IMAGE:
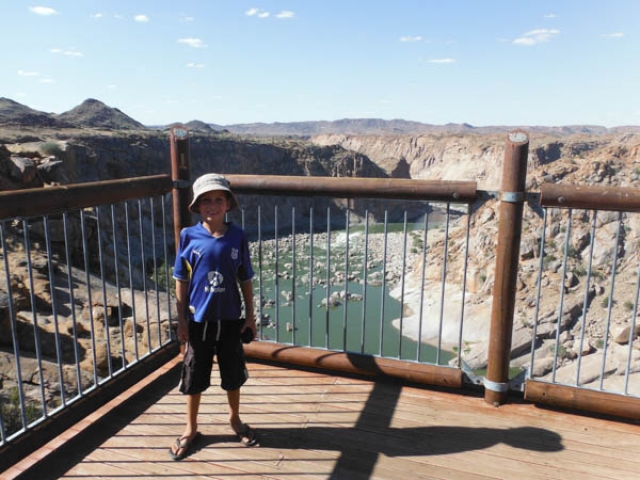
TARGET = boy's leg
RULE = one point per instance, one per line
(247, 435)
(193, 405)
(233, 397)
(191, 427)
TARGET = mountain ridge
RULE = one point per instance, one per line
(93, 113)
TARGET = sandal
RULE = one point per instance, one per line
(247, 435)
(184, 444)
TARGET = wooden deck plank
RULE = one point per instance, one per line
(318, 426)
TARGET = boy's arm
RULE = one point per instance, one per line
(182, 305)
(246, 288)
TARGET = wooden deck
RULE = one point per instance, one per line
(318, 426)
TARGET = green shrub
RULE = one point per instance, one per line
(52, 148)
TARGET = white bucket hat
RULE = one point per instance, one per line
(208, 183)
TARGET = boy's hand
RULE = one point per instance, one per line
(250, 324)
(183, 332)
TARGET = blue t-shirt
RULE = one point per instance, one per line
(213, 266)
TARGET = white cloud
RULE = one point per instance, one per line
(24, 73)
(186, 18)
(534, 37)
(286, 14)
(141, 18)
(112, 87)
(45, 11)
(613, 35)
(550, 15)
(416, 38)
(47, 80)
(193, 42)
(97, 15)
(67, 53)
(195, 65)
(252, 12)
(442, 61)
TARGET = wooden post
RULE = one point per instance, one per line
(512, 196)
(181, 176)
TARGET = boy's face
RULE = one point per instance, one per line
(213, 205)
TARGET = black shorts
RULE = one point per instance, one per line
(206, 339)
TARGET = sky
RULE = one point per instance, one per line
(481, 62)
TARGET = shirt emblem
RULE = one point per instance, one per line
(215, 281)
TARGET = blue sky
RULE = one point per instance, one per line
(483, 62)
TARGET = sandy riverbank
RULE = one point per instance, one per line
(438, 320)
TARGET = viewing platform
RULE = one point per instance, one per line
(316, 425)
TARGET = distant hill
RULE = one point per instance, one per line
(14, 113)
(359, 126)
(93, 113)
(377, 126)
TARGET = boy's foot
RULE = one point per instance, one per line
(181, 446)
(247, 435)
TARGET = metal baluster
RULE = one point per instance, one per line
(260, 282)
(277, 277)
(585, 305)
(166, 266)
(402, 283)
(155, 267)
(614, 269)
(131, 285)
(34, 315)
(72, 303)
(536, 314)
(311, 287)
(104, 292)
(328, 286)
(144, 276)
(445, 255)
(365, 287)
(85, 251)
(422, 281)
(54, 307)
(118, 294)
(293, 281)
(561, 300)
(346, 284)
(464, 288)
(14, 331)
(384, 281)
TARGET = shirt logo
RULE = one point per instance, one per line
(234, 253)
(215, 279)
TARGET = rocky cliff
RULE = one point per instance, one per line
(479, 157)
(37, 157)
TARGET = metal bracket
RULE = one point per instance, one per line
(495, 386)
(511, 197)
(181, 184)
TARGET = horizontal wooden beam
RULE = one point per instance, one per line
(349, 187)
(43, 201)
(582, 399)
(617, 199)
(355, 363)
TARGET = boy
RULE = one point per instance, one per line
(212, 260)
